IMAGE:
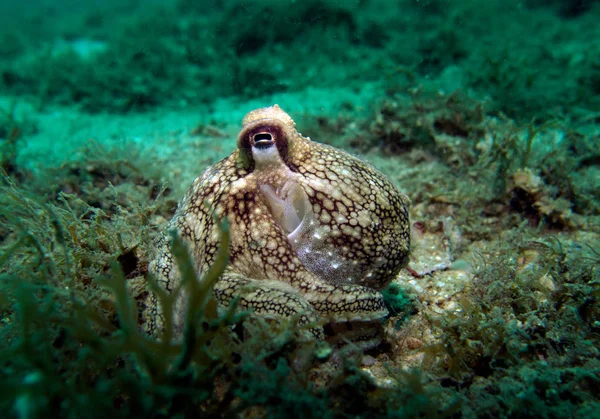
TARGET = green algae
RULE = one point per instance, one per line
(142, 56)
(72, 344)
(398, 302)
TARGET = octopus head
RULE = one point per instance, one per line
(266, 138)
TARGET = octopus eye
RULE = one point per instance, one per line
(263, 140)
(264, 143)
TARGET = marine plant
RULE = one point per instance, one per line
(72, 343)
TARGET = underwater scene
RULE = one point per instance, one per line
(300, 208)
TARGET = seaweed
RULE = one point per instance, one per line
(427, 121)
(13, 129)
(398, 302)
(520, 335)
(72, 342)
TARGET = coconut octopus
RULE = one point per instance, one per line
(314, 231)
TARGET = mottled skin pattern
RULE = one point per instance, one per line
(314, 231)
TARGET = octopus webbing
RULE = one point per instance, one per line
(314, 231)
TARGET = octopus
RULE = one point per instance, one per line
(314, 231)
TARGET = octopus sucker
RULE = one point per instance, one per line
(314, 231)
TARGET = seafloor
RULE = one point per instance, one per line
(485, 113)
